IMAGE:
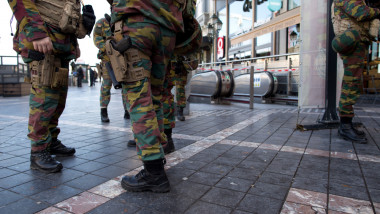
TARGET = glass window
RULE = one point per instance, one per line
(293, 4)
(222, 14)
(294, 38)
(240, 21)
(263, 14)
(263, 45)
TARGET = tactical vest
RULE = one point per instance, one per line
(64, 14)
(368, 30)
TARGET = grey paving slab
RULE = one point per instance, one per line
(226, 176)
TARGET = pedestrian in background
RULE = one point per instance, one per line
(80, 75)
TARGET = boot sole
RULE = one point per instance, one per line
(57, 169)
(162, 188)
(364, 141)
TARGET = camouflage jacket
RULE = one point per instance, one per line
(102, 30)
(355, 9)
(31, 27)
(165, 12)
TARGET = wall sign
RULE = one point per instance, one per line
(220, 50)
(274, 5)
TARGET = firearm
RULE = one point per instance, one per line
(115, 83)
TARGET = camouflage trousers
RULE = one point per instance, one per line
(105, 92)
(353, 69)
(144, 96)
(180, 83)
(45, 107)
(168, 100)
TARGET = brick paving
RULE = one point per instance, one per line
(228, 159)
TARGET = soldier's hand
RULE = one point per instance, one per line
(43, 45)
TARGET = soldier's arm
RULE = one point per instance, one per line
(358, 10)
(98, 36)
(28, 19)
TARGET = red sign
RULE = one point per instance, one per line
(220, 51)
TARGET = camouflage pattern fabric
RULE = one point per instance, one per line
(353, 68)
(102, 30)
(165, 13)
(30, 27)
(353, 62)
(355, 9)
(180, 83)
(144, 96)
(105, 92)
(168, 100)
(46, 106)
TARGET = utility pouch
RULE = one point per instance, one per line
(70, 17)
(60, 77)
(81, 31)
(48, 72)
(42, 71)
(374, 29)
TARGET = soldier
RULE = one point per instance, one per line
(47, 42)
(101, 32)
(352, 20)
(145, 37)
(180, 83)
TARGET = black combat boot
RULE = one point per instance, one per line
(347, 132)
(43, 161)
(170, 146)
(358, 132)
(180, 114)
(131, 143)
(126, 115)
(58, 149)
(104, 115)
(151, 178)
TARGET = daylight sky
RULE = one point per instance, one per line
(86, 45)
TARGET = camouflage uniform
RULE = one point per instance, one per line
(101, 32)
(178, 79)
(354, 60)
(46, 103)
(152, 26)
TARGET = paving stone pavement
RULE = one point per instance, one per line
(228, 159)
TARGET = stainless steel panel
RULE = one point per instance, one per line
(206, 83)
(264, 84)
(227, 84)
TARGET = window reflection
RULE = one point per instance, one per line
(293, 4)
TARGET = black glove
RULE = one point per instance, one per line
(88, 18)
(123, 45)
(107, 17)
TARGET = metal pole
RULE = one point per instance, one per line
(330, 115)
(251, 87)
(330, 118)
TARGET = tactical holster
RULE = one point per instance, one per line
(48, 72)
(123, 63)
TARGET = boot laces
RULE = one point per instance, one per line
(45, 154)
